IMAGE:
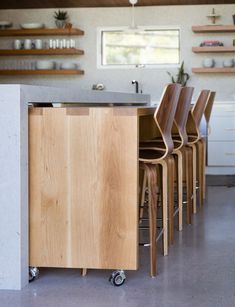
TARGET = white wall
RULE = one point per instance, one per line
(152, 80)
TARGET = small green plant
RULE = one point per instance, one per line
(182, 77)
(61, 15)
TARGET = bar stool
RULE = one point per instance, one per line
(180, 139)
(194, 135)
(201, 151)
(181, 153)
(149, 159)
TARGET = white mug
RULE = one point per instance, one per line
(27, 44)
(38, 43)
(17, 44)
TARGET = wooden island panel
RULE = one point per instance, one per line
(84, 187)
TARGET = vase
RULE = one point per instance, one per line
(60, 23)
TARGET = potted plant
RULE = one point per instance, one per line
(182, 77)
(60, 18)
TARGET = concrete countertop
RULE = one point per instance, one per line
(43, 94)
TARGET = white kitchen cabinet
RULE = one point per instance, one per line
(221, 137)
(221, 153)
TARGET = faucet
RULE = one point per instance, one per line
(136, 86)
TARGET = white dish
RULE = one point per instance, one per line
(32, 25)
(5, 24)
(45, 65)
(68, 66)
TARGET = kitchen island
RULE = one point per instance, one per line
(14, 100)
(84, 185)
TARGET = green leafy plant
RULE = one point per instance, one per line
(61, 15)
(182, 77)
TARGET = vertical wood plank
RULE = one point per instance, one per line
(84, 189)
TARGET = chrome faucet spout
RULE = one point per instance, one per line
(136, 86)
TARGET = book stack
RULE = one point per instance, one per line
(211, 43)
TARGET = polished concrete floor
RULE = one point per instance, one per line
(199, 271)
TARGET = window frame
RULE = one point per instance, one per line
(133, 66)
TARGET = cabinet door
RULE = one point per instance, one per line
(83, 188)
(224, 110)
(222, 129)
(221, 153)
(49, 205)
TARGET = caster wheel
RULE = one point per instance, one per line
(33, 273)
(117, 278)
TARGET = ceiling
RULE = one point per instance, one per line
(21, 4)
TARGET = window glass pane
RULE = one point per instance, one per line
(146, 47)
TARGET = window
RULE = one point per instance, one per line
(146, 47)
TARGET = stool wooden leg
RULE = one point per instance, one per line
(165, 207)
(194, 179)
(201, 161)
(143, 196)
(180, 189)
(189, 182)
(83, 272)
(170, 185)
(152, 206)
(204, 169)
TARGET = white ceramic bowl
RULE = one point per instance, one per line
(45, 65)
(228, 63)
(32, 25)
(69, 66)
(208, 63)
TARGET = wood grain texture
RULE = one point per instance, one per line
(40, 32)
(209, 106)
(213, 49)
(188, 172)
(42, 72)
(14, 4)
(214, 70)
(64, 51)
(216, 29)
(195, 116)
(165, 114)
(181, 116)
(83, 189)
(49, 217)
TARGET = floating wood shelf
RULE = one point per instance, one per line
(65, 51)
(212, 28)
(214, 70)
(42, 72)
(40, 32)
(213, 49)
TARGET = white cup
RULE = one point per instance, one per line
(64, 43)
(54, 44)
(68, 43)
(38, 43)
(57, 43)
(17, 44)
(27, 44)
(72, 43)
(50, 44)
